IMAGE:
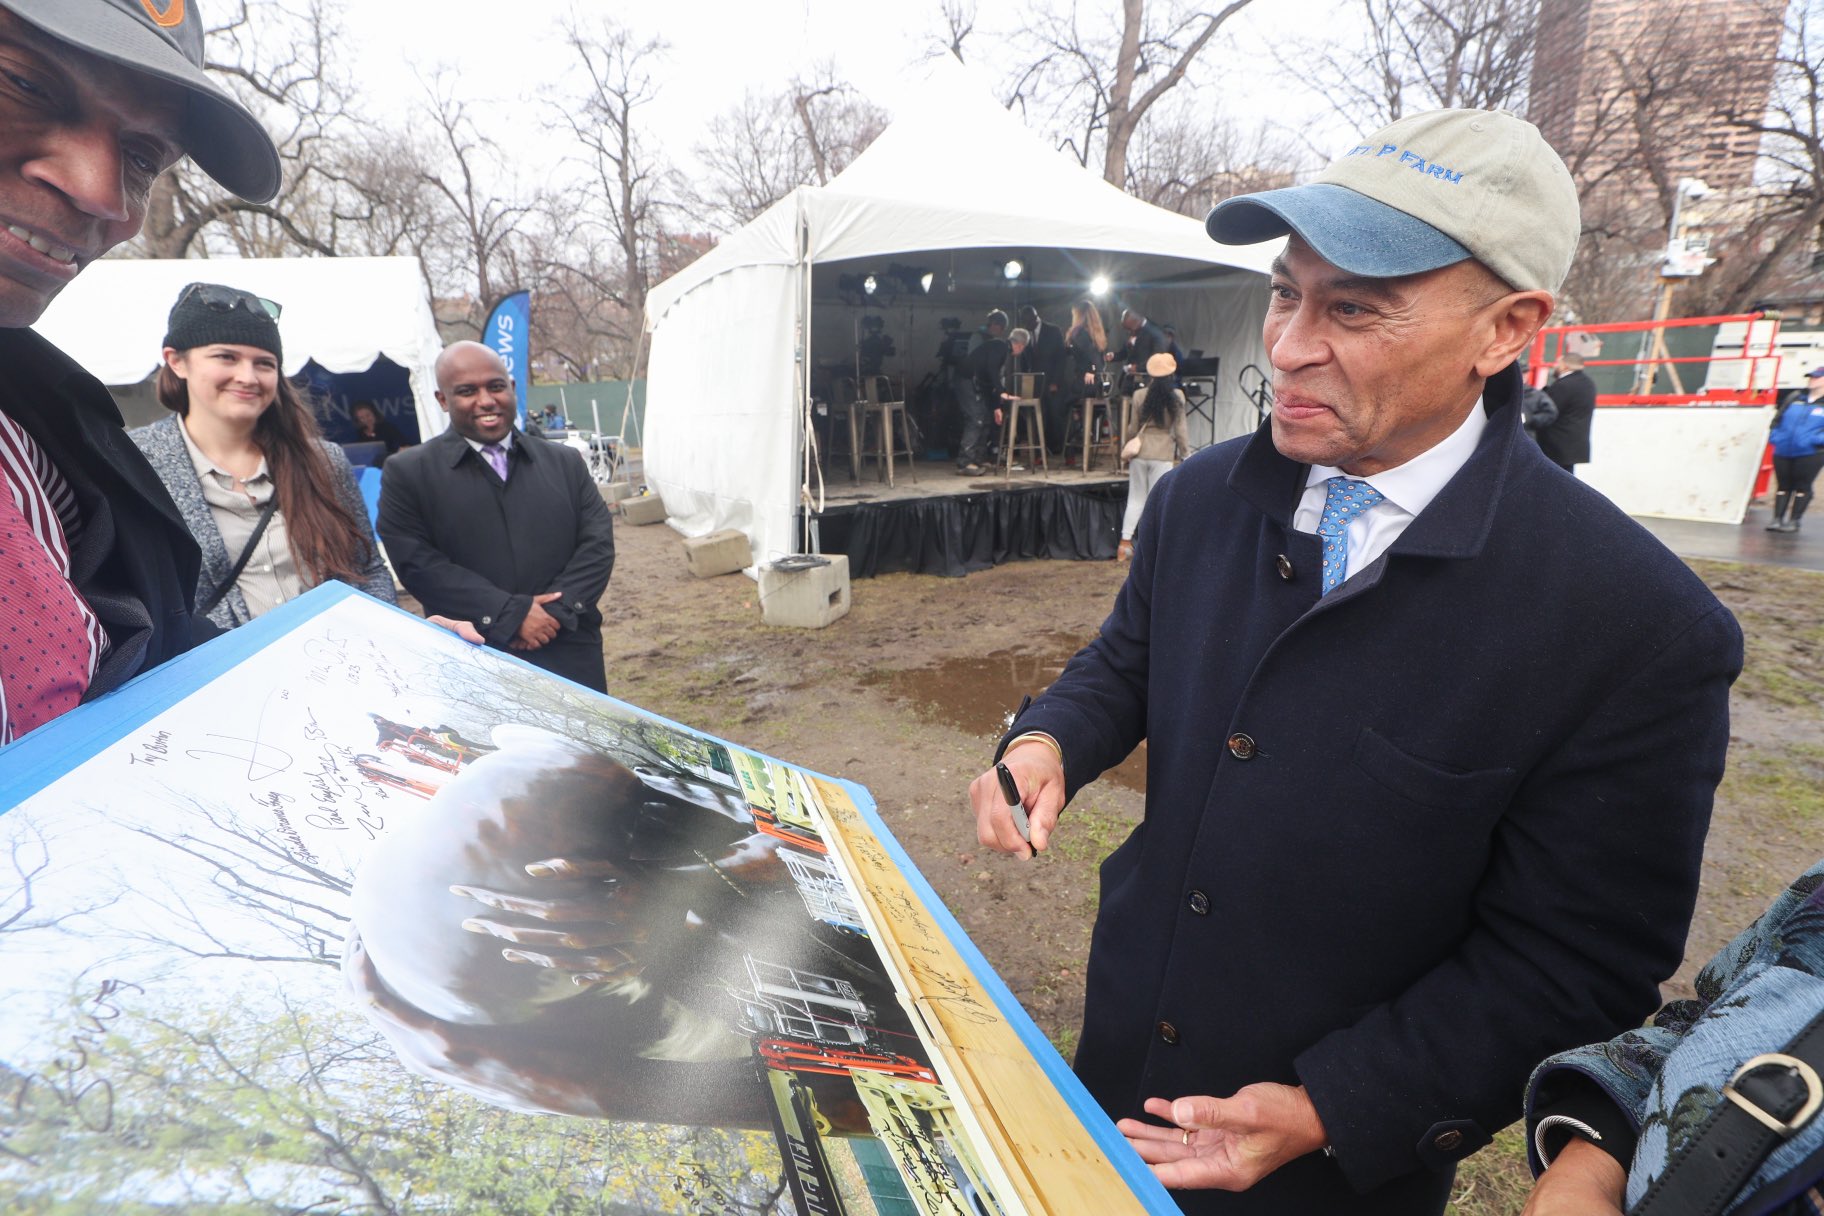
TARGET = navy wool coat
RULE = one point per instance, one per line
(1404, 841)
(468, 547)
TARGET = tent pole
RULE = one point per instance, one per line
(811, 542)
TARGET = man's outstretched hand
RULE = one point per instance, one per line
(1040, 776)
(463, 629)
(1227, 1144)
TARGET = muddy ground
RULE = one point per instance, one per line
(907, 693)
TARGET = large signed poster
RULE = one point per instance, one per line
(341, 915)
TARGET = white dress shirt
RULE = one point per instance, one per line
(1406, 489)
(506, 444)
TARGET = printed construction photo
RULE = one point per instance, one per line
(376, 921)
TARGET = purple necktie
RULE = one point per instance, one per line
(497, 458)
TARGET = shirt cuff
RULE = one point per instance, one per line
(563, 613)
(1585, 1113)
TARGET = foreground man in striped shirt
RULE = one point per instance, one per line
(97, 571)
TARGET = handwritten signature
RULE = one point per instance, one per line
(264, 760)
(155, 750)
(66, 1085)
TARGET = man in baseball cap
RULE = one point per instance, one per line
(97, 99)
(1433, 729)
(164, 41)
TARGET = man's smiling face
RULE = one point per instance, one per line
(81, 141)
(474, 388)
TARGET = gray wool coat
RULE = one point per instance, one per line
(164, 449)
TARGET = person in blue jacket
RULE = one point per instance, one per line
(1612, 1120)
(1798, 454)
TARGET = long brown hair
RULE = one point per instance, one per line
(327, 541)
(1085, 314)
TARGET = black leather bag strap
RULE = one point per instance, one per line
(1767, 1101)
(240, 563)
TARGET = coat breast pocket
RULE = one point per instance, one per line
(1430, 783)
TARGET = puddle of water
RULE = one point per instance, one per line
(977, 694)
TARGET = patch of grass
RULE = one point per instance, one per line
(1770, 678)
(1064, 1038)
(1496, 1180)
(1785, 784)
(1088, 833)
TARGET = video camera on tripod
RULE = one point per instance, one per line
(953, 347)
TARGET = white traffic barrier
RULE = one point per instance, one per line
(1678, 462)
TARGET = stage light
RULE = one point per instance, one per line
(1098, 286)
(868, 284)
(1013, 269)
(925, 281)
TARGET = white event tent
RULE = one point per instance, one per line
(732, 334)
(343, 313)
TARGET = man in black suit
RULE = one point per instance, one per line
(1144, 340)
(1046, 354)
(1566, 442)
(487, 524)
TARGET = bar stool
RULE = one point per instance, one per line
(892, 428)
(1024, 408)
(1098, 432)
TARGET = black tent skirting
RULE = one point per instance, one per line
(955, 534)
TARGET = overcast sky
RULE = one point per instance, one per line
(502, 53)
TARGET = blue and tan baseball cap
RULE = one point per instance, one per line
(1428, 191)
(164, 38)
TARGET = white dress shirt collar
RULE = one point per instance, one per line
(1406, 490)
(1412, 486)
(506, 444)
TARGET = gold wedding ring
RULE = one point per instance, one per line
(1187, 1137)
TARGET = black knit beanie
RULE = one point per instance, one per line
(195, 322)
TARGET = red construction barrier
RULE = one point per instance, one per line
(1758, 352)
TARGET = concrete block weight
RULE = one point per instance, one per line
(721, 552)
(645, 509)
(812, 598)
(615, 491)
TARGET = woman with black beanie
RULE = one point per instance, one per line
(273, 506)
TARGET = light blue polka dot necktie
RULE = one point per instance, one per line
(1344, 499)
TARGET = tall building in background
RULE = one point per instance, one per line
(1599, 63)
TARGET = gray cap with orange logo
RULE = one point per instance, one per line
(164, 39)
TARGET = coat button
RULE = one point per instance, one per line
(1168, 1034)
(1448, 1142)
(1241, 747)
(1200, 903)
(487, 620)
(1284, 565)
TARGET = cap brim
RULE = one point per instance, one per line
(224, 139)
(1347, 229)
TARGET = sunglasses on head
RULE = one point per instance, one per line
(226, 299)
